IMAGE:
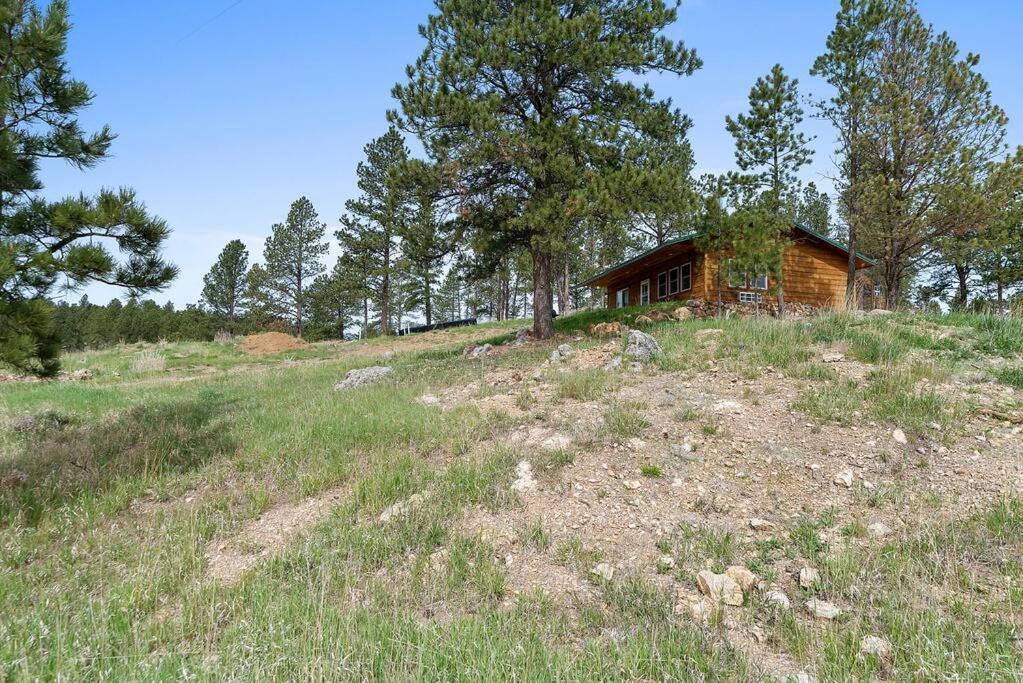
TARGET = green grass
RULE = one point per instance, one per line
(581, 385)
(109, 500)
(624, 420)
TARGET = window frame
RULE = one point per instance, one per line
(688, 278)
(754, 283)
(673, 292)
(750, 297)
(644, 285)
(619, 299)
(662, 293)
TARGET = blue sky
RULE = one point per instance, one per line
(229, 110)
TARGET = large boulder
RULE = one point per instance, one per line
(641, 346)
(362, 376)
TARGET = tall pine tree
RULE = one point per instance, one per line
(73, 241)
(373, 222)
(224, 286)
(525, 108)
(292, 254)
(769, 145)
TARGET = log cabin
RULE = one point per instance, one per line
(814, 272)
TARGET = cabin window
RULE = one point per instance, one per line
(673, 281)
(662, 285)
(877, 291)
(685, 277)
(644, 293)
(744, 281)
(750, 297)
(622, 300)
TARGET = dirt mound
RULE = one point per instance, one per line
(271, 342)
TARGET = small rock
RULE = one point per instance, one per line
(720, 588)
(524, 480)
(632, 484)
(644, 320)
(362, 376)
(727, 406)
(561, 353)
(606, 329)
(808, 577)
(80, 375)
(822, 609)
(613, 364)
(556, 442)
(879, 529)
(844, 478)
(665, 563)
(758, 524)
(875, 647)
(641, 346)
(900, 437)
(778, 599)
(682, 313)
(746, 579)
(429, 400)
(401, 508)
(880, 311)
(709, 332)
(481, 351)
(833, 357)
(603, 571)
(701, 610)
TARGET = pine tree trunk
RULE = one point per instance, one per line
(963, 291)
(428, 302)
(781, 302)
(1001, 298)
(543, 318)
(850, 276)
(365, 316)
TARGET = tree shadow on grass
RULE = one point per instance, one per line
(60, 462)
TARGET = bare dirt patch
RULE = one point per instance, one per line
(267, 535)
(271, 342)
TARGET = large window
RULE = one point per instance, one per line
(673, 281)
(685, 277)
(644, 293)
(662, 285)
(746, 281)
(622, 300)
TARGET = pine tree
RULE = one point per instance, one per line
(425, 246)
(930, 135)
(292, 254)
(373, 222)
(73, 240)
(846, 66)
(668, 199)
(768, 144)
(525, 108)
(333, 303)
(812, 209)
(224, 286)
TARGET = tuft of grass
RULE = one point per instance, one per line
(652, 471)
(1011, 376)
(581, 385)
(624, 420)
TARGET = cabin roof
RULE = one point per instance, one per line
(598, 280)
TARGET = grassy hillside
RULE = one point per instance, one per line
(196, 511)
